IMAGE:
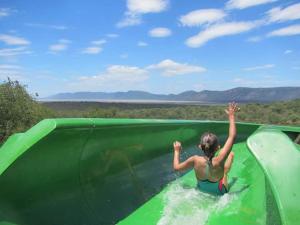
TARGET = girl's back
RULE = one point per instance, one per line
(207, 170)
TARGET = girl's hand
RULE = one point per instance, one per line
(232, 108)
(177, 146)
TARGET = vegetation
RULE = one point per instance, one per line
(285, 113)
(19, 110)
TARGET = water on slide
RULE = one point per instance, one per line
(249, 200)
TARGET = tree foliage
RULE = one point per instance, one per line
(18, 110)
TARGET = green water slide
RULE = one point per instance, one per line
(119, 171)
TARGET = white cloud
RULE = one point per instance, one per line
(7, 52)
(5, 12)
(160, 32)
(47, 26)
(286, 31)
(202, 16)
(92, 50)
(266, 66)
(142, 44)
(288, 51)
(255, 39)
(147, 6)
(14, 72)
(95, 48)
(13, 40)
(62, 45)
(242, 4)
(116, 77)
(130, 19)
(127, 72)
(112, 35)
(244, 82)
(64, 41)
(136, 8)
(278, 14)
(58, 27)
(219, 30)
(9, 67)
(122, 77)
(58, 47)
(99, 42)
(170, 68)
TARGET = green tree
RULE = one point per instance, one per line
(18, 110)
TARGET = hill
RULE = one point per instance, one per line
(240, 94)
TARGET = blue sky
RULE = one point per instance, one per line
(158, 46)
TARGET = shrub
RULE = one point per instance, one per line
(18, 110)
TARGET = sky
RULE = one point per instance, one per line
(159, 46)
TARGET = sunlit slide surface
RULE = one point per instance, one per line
(119, 171)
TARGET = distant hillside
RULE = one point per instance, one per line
(240, 94)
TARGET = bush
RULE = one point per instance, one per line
(18, 110)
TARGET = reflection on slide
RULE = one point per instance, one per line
(111, 195)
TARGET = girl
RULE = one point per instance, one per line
(210, 170)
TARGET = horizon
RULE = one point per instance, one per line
(169, 93)
(159, 46)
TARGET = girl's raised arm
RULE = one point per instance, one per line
(230, 111)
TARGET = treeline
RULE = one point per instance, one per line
(19, 111)
(284, 113)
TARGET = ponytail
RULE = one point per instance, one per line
(209, 143)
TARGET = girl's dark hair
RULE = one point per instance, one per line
(209, 143)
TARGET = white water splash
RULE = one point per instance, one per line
(190, 206)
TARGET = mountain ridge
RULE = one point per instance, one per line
(239, 94)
